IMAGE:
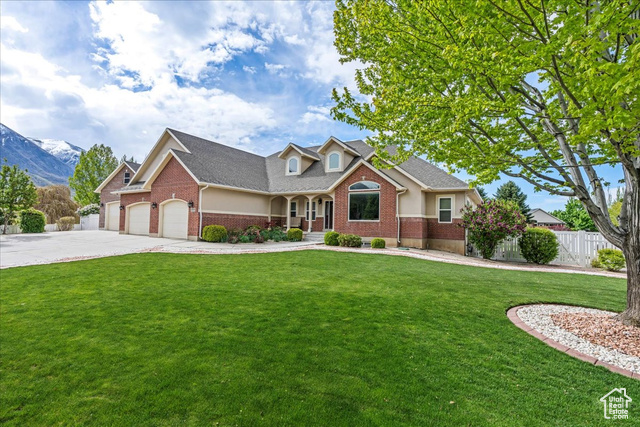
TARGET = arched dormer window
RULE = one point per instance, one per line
(364, 185)
(293, 167)
(334, 162)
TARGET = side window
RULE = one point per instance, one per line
(127, 177)
(445, 209)
(294, 209)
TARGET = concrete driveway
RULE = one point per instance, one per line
(30, 249)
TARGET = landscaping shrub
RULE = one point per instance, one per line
(245, 239)
(491, 222)
(214, 233)
(266, 235)
(378, 243)
(259, 238)
(539, 245)
(32, 221)
(331, 238)
(350, 240)
(294, 235)
(609, 259)
(277, 234)
(66, 223)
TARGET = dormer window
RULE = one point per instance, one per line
(334, 162)
(293, 166)
(127, 177)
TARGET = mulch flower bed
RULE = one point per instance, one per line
(601, 329)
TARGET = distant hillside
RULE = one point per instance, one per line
(48, 161)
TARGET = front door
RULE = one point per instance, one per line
(328, 215)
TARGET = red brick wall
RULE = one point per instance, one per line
(317, 224)
(174, 182)
(451, 231)
(414, 228)
(386, 227)
(234, 221)
(105, 195)
(129, 199)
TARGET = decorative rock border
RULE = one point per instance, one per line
(512, 314)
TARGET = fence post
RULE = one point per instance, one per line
(582, 248)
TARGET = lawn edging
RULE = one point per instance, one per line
(512, 314)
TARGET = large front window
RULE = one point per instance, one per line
(364, 206)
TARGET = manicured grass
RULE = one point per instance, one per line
(299, 338)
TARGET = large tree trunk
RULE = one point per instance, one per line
(631, 250)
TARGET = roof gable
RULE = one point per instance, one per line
(333, 140)
(130, 165)
(304, 152)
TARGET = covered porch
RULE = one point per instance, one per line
(309, 212)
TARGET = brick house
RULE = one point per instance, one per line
(186, 183)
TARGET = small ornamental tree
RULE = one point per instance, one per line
(17, 192)
(492, 222)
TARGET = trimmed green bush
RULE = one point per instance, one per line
(214, 233)
(245, 239)
(294, 235)
(539, 245)
(66, 223)
(609, 259)
(32, 221)
(378, 243)
(350, 240)
(266, 235)
(331, 238)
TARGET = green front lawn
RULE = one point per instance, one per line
(297, 338)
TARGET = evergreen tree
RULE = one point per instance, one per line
(510, 191)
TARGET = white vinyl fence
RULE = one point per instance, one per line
(88, 222)
(575, 248)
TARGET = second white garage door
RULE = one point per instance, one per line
(112, 217)
(175, 219)
(139, 219)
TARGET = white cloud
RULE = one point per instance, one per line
(10, 23)
(250, 70)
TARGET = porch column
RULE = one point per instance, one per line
(289, 211)
(270, 208)
(311, 210)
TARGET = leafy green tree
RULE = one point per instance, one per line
(17, 192)
(544, 91)
(575, 216)
(510, 191)
(93, 167)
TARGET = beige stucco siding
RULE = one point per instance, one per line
(218, 200)
(412, 202)
(156, 156)
(458, 203)
(346, 158)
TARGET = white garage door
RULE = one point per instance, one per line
(139, 219)
(175, 219)
(112, 218)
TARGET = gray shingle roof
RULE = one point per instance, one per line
(219, 164)
(307, 151)
(133, 166)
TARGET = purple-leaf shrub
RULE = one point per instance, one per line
(491, 222)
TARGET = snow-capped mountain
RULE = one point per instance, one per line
(43, 166)
(68, 153)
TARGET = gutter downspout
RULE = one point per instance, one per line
(398, 193)
(200, 208)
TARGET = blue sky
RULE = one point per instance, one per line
(254, 75)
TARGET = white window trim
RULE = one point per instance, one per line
(286, 165)
(340, 161)
(349, 206)
(314, 215)
(453, 205)
(294, 208)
